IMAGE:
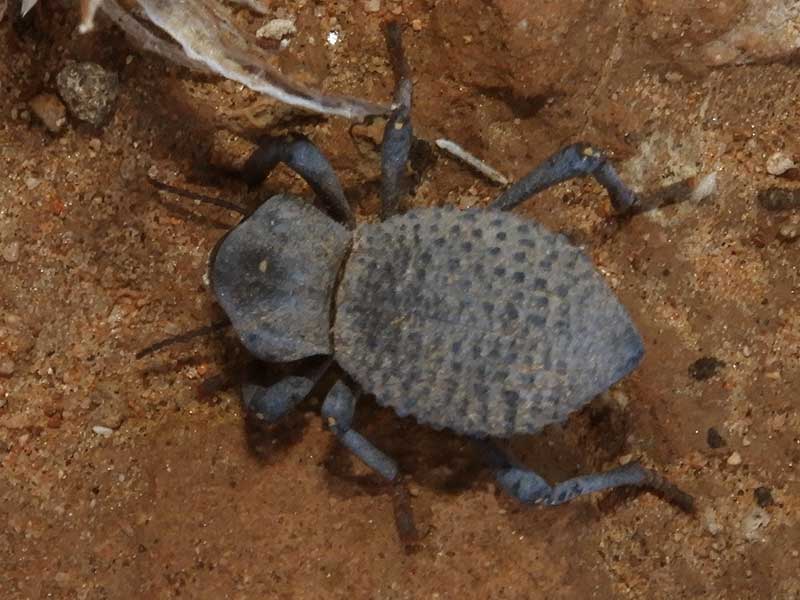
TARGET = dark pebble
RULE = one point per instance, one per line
(705, 368)
(763, 496)
(714, 439)
(775, 198)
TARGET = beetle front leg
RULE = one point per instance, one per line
(398, 134)
(301, 155)
(337, 411)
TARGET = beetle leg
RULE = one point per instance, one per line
(398, 134)
(337, 411)
(271, 402)
(578, 160)
(301, 155)
(530, 488)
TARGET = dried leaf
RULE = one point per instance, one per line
(205, 33)
(256, 5)
(146, 40)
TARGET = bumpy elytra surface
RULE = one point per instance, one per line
(480, 322)
(274, 276)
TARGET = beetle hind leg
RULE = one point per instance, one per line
(530, 488)
(577, 160)
(337, 411)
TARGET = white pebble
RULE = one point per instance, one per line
(779, 163)
(102, 430)
(735, 459)
(712, 523)
(372, 6)
(7, 367)
(277, 29)
(11, 252)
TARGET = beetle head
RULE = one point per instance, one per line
(274, 275)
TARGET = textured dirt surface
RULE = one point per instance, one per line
(124, 479)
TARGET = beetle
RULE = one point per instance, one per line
(477, 321)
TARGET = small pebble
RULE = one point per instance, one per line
(705, 368)
(11, 252)
(714, 439)
(95, 144)
(7, 367)
(789, 232)
(416, 25)
(32, 183)
(372, 6)
(50, 111)
(711, 522)
(277, 29)
(735, 459)
(763, 496)
(779, 163)
(89, 91)
(104, 431)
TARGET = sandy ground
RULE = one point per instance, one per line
(181, 497)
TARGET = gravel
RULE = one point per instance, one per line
(50, 111)
(89, 91)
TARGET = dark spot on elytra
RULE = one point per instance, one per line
(499, 376)
(536, 320)
(511, 312)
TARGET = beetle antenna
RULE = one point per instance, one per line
(183, 337)
(165, 187)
